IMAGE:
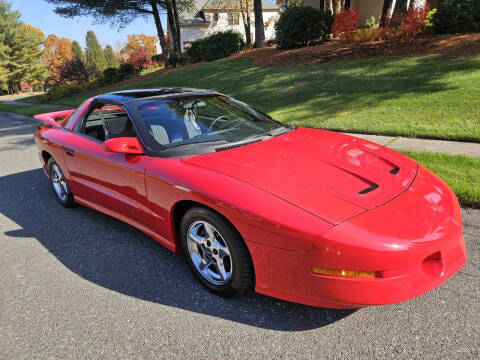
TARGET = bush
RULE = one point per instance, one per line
(371, 23)
(174, 60)
(127, 70)
(429, 26)
(414, 22)
(215, 46)
(345, 24)
(110, 76)
(457, 16)
(65, 90)
(300, 26)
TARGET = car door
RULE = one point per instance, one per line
(111, 182)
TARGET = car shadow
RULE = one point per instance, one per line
(118, 257)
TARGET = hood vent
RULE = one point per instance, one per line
(368, 189)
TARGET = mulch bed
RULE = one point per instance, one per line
(335, 50)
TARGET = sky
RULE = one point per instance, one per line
(40, 14)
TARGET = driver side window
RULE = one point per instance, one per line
(107, 121)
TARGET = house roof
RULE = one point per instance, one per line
(196, 15)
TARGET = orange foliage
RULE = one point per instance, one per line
(136, 42)
(58, 52)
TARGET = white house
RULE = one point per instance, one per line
(210, 16)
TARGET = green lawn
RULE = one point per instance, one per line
(23, 110)
(432, 96)
(462, 173)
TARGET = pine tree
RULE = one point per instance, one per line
(20, 51)
(112, 61)
(77, 52)
(96, 61)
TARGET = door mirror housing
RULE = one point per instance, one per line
(123, 145)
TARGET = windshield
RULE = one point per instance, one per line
(186, 122)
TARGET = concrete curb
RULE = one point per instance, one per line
(440, 146)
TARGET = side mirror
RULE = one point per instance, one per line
(123, 145)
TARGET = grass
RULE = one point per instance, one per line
(23, 110)
(461, 173)
(431, 96)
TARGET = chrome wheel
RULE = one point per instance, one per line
(58, 182)
(209, 252)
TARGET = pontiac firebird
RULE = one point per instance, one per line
(305, 215)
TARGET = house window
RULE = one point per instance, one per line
(215, 16)
(233, 18)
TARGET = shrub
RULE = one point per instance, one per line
(300, 26)
(110, 76)
(215, 46)
(127, 70)
(414, 22)
(429, 26)
(140, 58)
(175, 60)
(345, 24)
(457, 16)
(65, 90)
(371, 23)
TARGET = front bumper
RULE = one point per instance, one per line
(414, 243)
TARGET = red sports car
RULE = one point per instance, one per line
(306, 215)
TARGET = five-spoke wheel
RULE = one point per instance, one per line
(59, 184)
(216, 252)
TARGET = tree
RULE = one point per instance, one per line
(246, 10)
(259, 26)
(112, 61)
(135, 42)
(117, 12)
(58, 53)
(20, 51)
(96, 61)
(77, 52)
(386, 11)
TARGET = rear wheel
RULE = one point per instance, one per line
(59, 184)
(216, 252)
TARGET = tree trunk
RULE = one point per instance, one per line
(330, 5)
(160, 33)
(259, 27)
(338, 6)
(246, 21)
(386, 11)
(173, 27)
(177, 24)
(401, 6)
(347, 4)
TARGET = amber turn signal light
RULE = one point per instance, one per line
(343, 273)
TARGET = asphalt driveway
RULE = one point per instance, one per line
(79, 284)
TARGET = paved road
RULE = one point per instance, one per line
(78, 284)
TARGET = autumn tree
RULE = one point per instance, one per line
(58, 53)
(119, 13)
(136, 42)
(96, 61)
(20, 51)
(112, 60)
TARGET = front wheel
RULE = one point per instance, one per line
(59, 184)
(216, 252)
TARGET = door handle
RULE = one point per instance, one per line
(70, 152)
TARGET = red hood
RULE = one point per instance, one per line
(331, 175)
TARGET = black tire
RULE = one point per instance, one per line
(242, 276)
(67, 200)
